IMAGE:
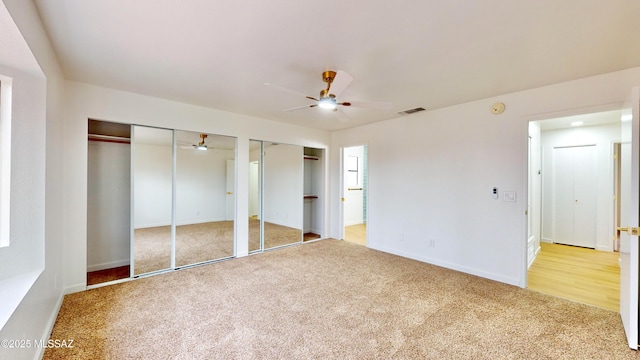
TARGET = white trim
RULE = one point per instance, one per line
(75, 288)
(48, 329)
(503, 279)
(182, 223)
(108, 265)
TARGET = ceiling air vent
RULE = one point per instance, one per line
(412, 111)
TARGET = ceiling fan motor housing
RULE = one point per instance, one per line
(328, 76)
(324, 94)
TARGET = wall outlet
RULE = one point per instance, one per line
(432, 243)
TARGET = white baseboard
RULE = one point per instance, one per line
(49, 326)
(464, 269)
(184, 222)
(604, 248)
(75, 288)
(108, 265)
(351, 223)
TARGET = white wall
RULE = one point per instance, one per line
(28, 127)
(37, 179)
(88, 101)
(200, 185)
(431, 174)
(152, 183)
(108, 205)
(603, 138)
(201, 194)
(283, 185)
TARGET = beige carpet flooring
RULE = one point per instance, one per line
(330, 300)
(274, 235)
(201, 242)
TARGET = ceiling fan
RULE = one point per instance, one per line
(199, 146)
(336, 83)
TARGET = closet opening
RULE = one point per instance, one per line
(108, 199)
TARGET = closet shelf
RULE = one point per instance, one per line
(311, 157)
(310, 196)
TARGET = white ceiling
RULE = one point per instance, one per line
(429, 53)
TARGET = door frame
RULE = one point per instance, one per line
(525, 157)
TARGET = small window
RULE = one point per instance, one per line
(352, 171)
(5, 158)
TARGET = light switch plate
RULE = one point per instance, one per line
(509, 196)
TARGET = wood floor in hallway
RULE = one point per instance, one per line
(356, 234)
(584, 275)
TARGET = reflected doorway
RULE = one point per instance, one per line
(354, 180)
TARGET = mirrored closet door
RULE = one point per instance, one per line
(205, 197)
(255, 196)
(282, 194)
(152, 179)
(183, 198)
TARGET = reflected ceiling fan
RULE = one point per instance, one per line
(336, 81)
(199, 146)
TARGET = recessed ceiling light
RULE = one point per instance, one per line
(577, 123)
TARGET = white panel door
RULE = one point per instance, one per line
(584, 193)
(574, 196)
(629, 205)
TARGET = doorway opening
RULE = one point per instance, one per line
(572, 210)
(354, 198)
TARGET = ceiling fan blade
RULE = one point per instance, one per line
(281, 88)
(301, 107)
(342, 116)
(341, 81)
(381, 105)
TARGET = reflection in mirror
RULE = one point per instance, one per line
(255, 191)
(152, 169)
(205, 197)
(283, 194)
